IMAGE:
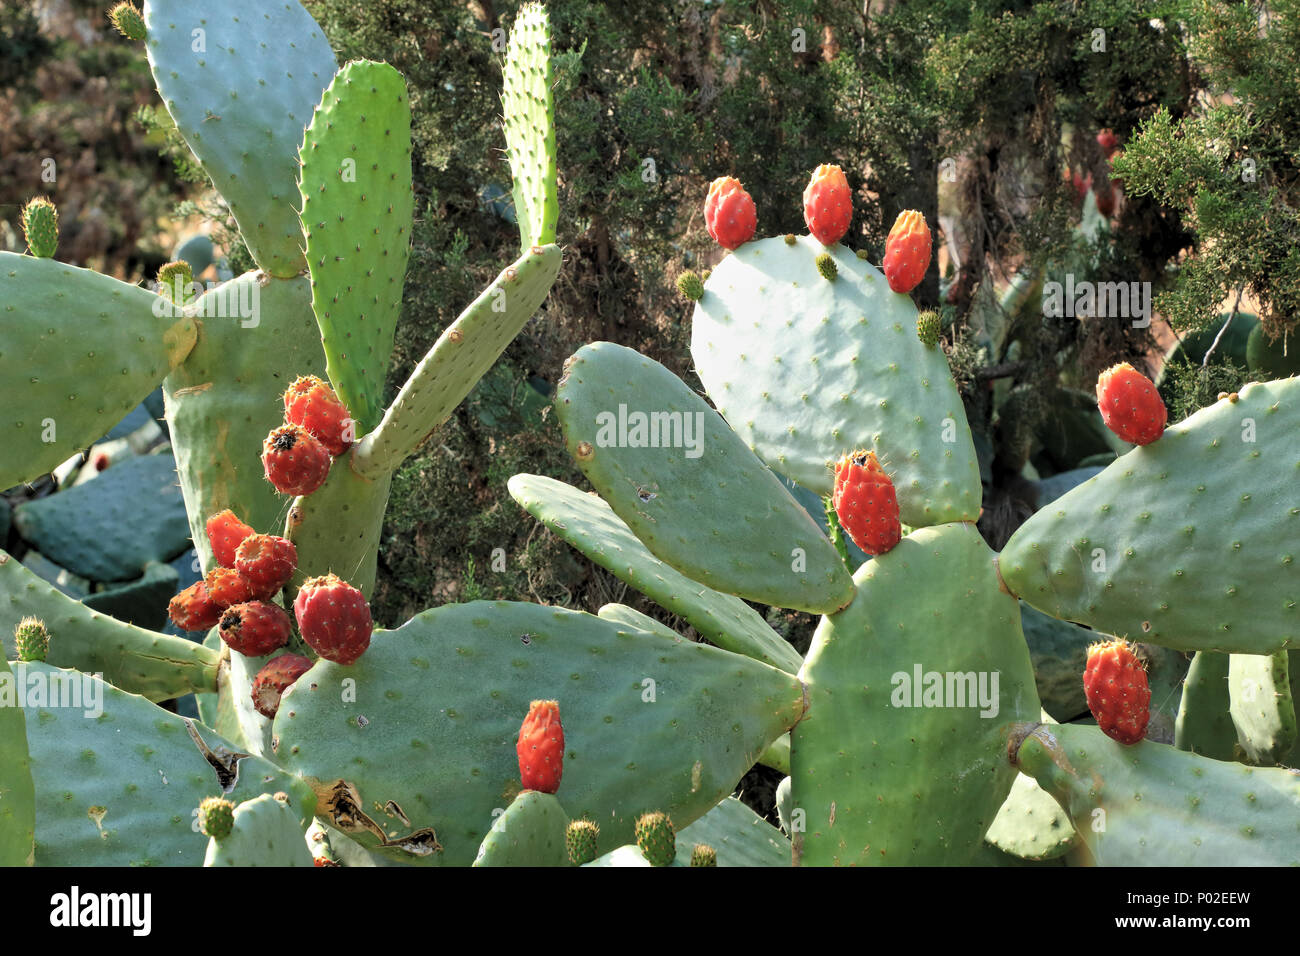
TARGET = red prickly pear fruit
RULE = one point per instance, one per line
(255, 628)
(225, 533)
(1106, 200)
(1108, 142)
(266, 562)
(314, 406)
(275, 677)
(828, 204)
(729, 213)
(1115, 684)
(865, 502)
(907, 251)
(227, 587)
(333, 618)
(295, 462)
(193, 609)
(541, 747)
(1130, 405)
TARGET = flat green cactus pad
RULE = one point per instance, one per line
(118, 779)
(1260, 704)
(687, 486)
(110, 528)
(806, 370)
(78, 351)
(739, 835)
(156, 666)
(923, 773)
(529, 833)
(258, 333)
(337, 528)
(1031, 825)
(631, 617)
(1190, 542)
(267, 832)
(588, 523)
(1204, 725)
(1153, 805)
(241, 83)
(356, 216)
(17, 794)
(415, 756)
(529, 109)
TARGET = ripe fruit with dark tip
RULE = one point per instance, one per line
(333, 618)
(1130, 405)
(1115, 684)
(865, 502)
(311, 404)
(541, 747)
(225, 533)
(907, 251)
(193, 609)
(295, 463)
(275, 677)
(255, 628)
(828, 204)
(266, 562)
(729, 213)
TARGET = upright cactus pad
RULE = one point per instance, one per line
(41, 227)
(31, 639)
(241, 83)
(530, 128)
(263, 831)
(531, 832)
(356, 218)
(17, 793)
(128, 21)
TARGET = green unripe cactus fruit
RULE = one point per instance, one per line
(826, 266)
(707, 273)
(31, 639)
(174, 279)
(216, 817)
(580, 840)
(41, 227)
(656, 838)
(128, 21)
(861, 254)
(704, 855)
(789, 239)
(927, 328)
(689, 285)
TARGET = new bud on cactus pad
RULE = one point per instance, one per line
(333, 618)
(865, 503)
(1115, 684)
(927, 328)
(256, 628)
(295, 463)
(690, 286)
(216, 817)
(128, 21)
(225, 534)
(266, 562)
(827, 267)
(1130, 405)
(275, 677)
(31, 639)
(828, 204)
(907, 251)
(704, 855)
(41, 227)
(193, 609)
(541, 747)
(580, 841)
(656, 838)
(314, 406)
(729, 213)
(174, 279)
(226, 587)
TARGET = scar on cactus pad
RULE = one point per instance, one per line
(729, 213)
(865, 503)
(1115, 684)
(1130, 405)
(541, 747)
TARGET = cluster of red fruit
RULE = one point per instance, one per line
(730, 216)
(237, 597)
(297, 455)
